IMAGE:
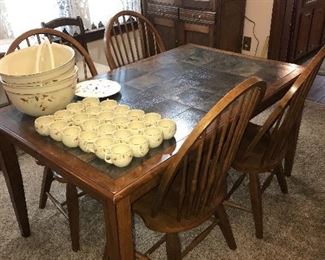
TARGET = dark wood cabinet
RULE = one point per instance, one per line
(308, 22)
(164, 16)
(214, 23)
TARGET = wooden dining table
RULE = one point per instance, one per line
(182, 84)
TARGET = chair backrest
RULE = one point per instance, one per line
(37, 36)
(196, 174)
(72, 24)
(286, 114)
(130, 37)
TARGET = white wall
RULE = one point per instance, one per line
(259, 11)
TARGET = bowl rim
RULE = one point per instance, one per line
(38, 74)
(43, 91)
(47, 83)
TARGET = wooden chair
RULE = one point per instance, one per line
(36, 36)
(72, 23)
(130, 37)
(192, 187)
(265, 148)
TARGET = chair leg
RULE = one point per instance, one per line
(73, 213)
(225, 227)
(256, 201)
(235, 186)
(46, 186)
(291, 152)
(173, 246)
(281, 178)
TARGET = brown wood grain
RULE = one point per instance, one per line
(183, 84)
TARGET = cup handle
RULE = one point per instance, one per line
(90, 147)
(108, 158)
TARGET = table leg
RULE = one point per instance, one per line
(118, 219)
(11, 170)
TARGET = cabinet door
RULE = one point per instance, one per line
(200, 4)
(315, 37)
(308, 27)
(302, 31)
(164, 18)
(229, 32)
(196, 27)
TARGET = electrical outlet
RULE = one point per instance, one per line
(247, 43)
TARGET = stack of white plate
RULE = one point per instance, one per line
(40, 79)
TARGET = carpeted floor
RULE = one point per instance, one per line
(322, 69)
(294, 224)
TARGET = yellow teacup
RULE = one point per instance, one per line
(70, 136)
(79, 118)
(122, 136)
(139, 145)
(63, 115)
(154, 136)
(90, 125)
(105, 116)
(151, 119)
(93, 110)
(42, 124)
(90, 101)
(56, 129)
(87, 140)
(76, 107)
(137, 127)
(168, 127)
(121, 122)
(135, 114)
(106, 129)
(103, 147)
(121, 110)
(121, 155)
(108, 104)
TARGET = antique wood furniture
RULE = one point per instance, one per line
(308, 28)
(130, 37)
(192, 188)
(297, 29)
(264, 148)
(214, 23)
(182, 84)
(71, 23)
(36, 36)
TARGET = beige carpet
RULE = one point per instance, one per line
(294, 224)
(322, 69)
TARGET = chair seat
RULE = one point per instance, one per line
(166, 220)
(253, 162)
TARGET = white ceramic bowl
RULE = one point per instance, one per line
(42, 89)
(43, 102)
(44, 83)
(27, 65)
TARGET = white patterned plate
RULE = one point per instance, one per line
(97, 88)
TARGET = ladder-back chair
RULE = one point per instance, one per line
(37, 36)
(130, 37)
(192, 187)
(265, 148)
(71, 26)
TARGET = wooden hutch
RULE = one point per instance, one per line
(214, 23)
